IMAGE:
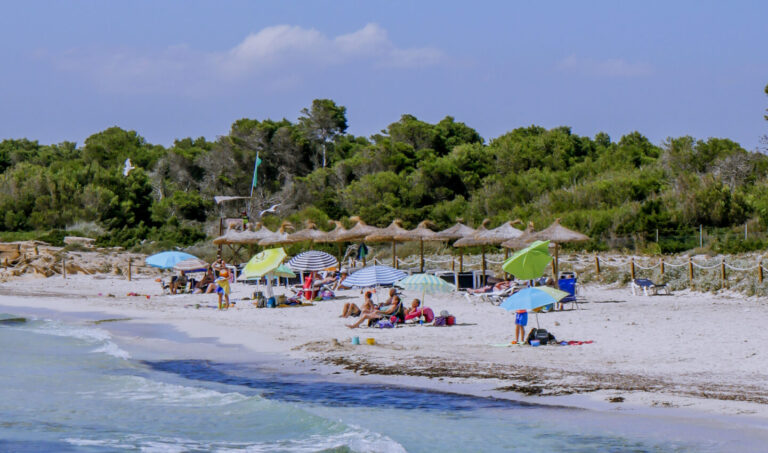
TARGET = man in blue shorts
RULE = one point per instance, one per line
(521, 320)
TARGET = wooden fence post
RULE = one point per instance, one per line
(722, 273)
(661, 266)
(129, 269)
(690, 272)
(760, 271)
(64, 266)
(597, 266)
(632, 268)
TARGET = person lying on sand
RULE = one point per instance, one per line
(384, 311)
(350, 309)
(500, 286)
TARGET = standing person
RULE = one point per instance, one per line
(521, 320)
(245, 220)
(222, 287)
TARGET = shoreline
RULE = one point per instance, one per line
(327, 355)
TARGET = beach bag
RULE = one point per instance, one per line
(450, 320)
(440, 321)
(543, 336)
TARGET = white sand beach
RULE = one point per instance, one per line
(698, 351)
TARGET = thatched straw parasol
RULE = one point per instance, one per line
(521, 241)
(310, 233)
(471, 241)
(496, 236)
(357, 232)
(333, 236)
(390, 233)
(458, 231)
(279, 237)
(243, 237)
(559, 235)
(421, 233)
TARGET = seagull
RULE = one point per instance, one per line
(271, 210)
(128, 167)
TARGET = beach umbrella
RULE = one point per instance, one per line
(357, 232)
(191, 265)
(530, 262)
(264, 263)
(279, 237)
(521, 241)
(312, 260)
(166, 260)
(310, 234)
(558, 234)
(390, 233)
(374, 276)
(334, 236)
(421, 233)
(457, 231)
(427, 284)
(533, 298)
(484, 236)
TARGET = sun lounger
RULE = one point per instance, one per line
(647, 285)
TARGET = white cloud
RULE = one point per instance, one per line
(612, 67)
(283, 51)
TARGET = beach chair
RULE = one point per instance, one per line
(647, 285)
(569, 286)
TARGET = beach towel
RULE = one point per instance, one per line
(222, 285)
(429, 316)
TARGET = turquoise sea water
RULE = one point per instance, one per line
(69, 387)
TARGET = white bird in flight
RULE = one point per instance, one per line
(271, 210)
(128, 167)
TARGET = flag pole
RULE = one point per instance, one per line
(253, 182)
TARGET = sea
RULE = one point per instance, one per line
(74, 385)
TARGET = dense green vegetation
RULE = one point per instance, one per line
(412, 170)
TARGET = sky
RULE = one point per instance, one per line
(185, 68)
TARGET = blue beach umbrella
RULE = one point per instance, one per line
(533, 298)
(166, 260)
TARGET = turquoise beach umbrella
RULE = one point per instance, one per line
(533, 298)
(166, 260)
(426, 283)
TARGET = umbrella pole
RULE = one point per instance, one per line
(461, 260)
(421, 250)
(537, 320)
(394, 255)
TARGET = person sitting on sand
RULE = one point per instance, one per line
(350, 309)
(340, 282)
(207, 280)
(222, 287)
(383, 311)
(178, 282)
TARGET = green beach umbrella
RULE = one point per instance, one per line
(530, 262)
(426, 283)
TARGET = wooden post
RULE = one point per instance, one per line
(421, 255)
(461, 259)
(690, 272)
(221, 231)
(722, 273)
(661, 266)
(453, 264)
(394, 255)
(597, 266)
(483, 266)
(129, 268)
(760, 271)
(632, 268)
(64, 266)
(37, 252)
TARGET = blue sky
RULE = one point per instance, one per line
(172, 69)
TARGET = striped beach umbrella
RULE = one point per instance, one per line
(312, 260)
(426, 283)
(374, 276)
